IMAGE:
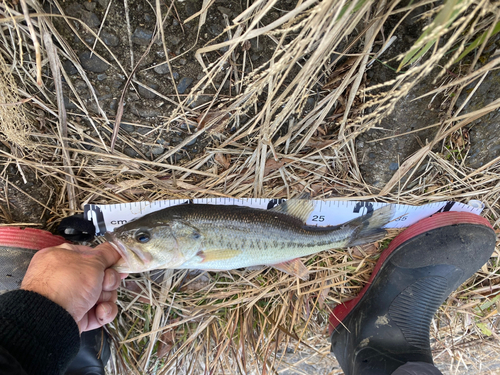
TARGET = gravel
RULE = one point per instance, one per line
(69, 67)
(92, 63)
(184, 84)
(162, 69)
(129, 151)
(90, 19)
(142, 36)
(145, 93)
(110, 39)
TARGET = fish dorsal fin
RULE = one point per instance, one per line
(294, 267)
(299, 208)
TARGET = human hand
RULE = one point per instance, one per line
(79, 279)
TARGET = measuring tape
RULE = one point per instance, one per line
(108, 217)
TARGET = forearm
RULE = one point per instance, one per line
(38, 333)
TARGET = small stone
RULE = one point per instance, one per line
(185, 126)
(69, 67)
(394, 166)
(116, 83)
(147, 17)
(157, 150)
(143, 130)
(145, 93)
(132, 96)
(127, 127)
(80, 86)
(142, 36)
(200, 76)
(73, 10)
(103, 3)
(89, 39)
(184, 84)
(174, 39)
(161, 69)
(51, 8)
(202, 99)
(101, 77)
(88, 146)
(192, 142)
(176, 140)
(225, 11)
(68, 104)
(182, 61)
(216, 29)
(145, 112)
(113, 104)
(129, 151)
(93, 63)
(90, 19)
(89, 6)
(176, 157)
(109, 39)
(175, 75)
(175, 22)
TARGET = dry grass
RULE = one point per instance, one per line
(243, 321)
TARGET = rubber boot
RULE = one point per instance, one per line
(17, 247)
(388, 324)
(93, 355)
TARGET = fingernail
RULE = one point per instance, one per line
(112, 279)
(106, 308)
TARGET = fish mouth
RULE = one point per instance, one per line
(119, 247)
(140, 257)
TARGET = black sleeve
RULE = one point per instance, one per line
(41, 336)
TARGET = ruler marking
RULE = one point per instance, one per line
(335, 211)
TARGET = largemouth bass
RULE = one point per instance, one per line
(212, 237)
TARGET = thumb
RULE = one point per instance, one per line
(107, 254)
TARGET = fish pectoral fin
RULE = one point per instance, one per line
(222, 254)
(294, 267)
(299, 208)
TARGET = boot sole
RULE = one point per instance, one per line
(439, 220)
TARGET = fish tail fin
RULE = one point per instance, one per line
(369, 226)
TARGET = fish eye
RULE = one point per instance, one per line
(142, 236)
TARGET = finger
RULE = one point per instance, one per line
(123, 275)
(83, 324)
(89, 321)
(107, 254)
(105, 312)
(108, 296)
(111, 280)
